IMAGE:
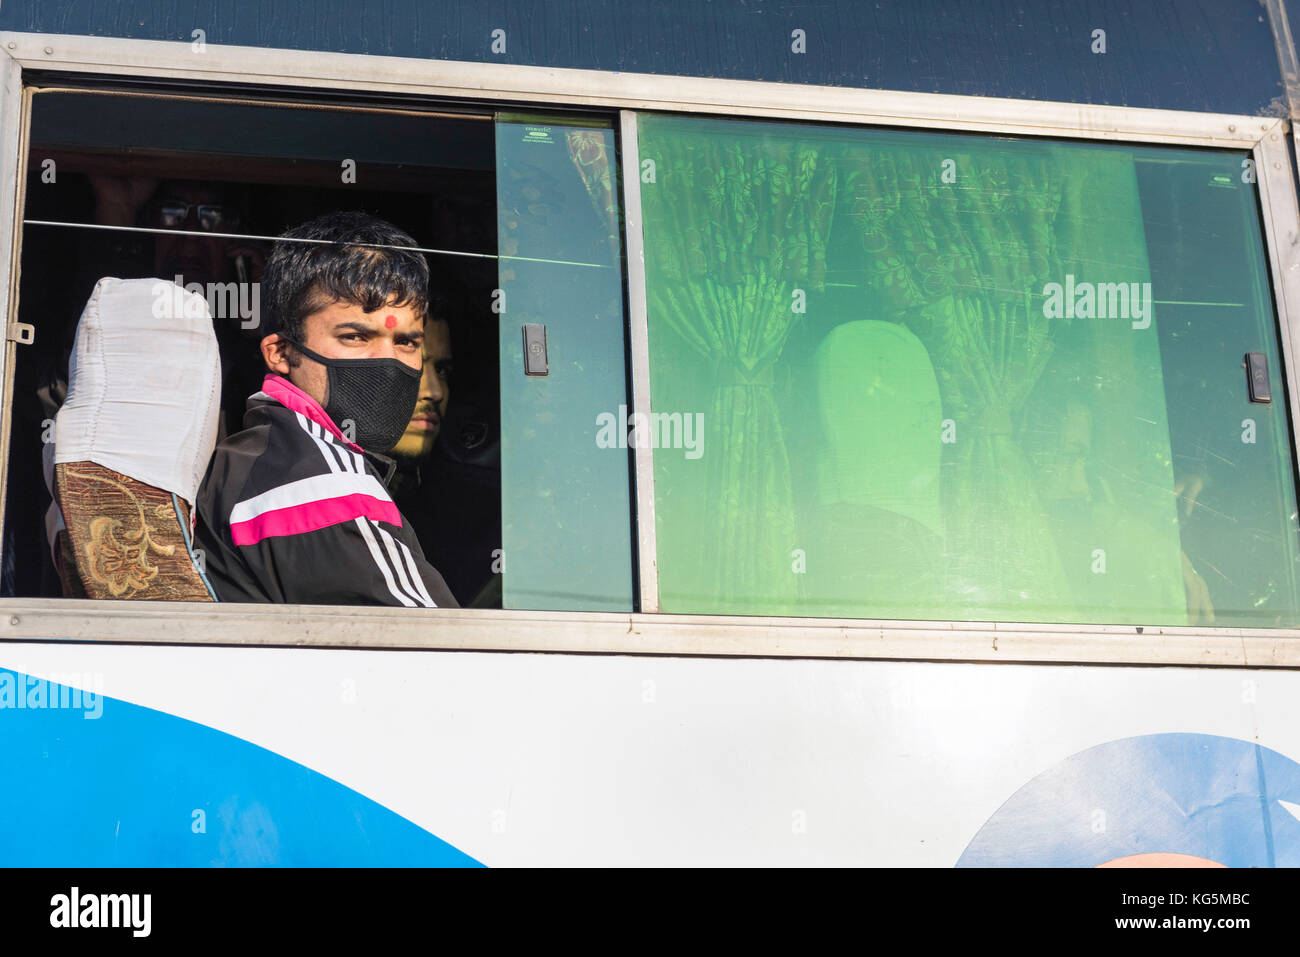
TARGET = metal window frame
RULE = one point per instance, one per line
(13, 150)
(639, 348)
(646, 632)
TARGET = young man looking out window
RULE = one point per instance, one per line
(294, 508)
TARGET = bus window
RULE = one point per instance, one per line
(903, 375)
(112, 175)
(566, 511)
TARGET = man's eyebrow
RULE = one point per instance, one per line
(355, 326)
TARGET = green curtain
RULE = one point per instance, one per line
(956, 263)
(1055, 480)
(962, 264)
(1101, 411)
(735, 225)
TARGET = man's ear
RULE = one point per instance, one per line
(275, 354)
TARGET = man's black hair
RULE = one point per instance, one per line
(303, 278)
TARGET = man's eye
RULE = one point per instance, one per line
(443, 369)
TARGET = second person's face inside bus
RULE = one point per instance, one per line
(435, 392)
(192, 207)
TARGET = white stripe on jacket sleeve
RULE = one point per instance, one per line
(382, 563)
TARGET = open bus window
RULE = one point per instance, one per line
(246, 171)
(962, 378)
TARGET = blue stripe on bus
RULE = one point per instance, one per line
(135, 787)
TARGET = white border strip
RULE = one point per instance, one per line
(314, 626)
(568, 87)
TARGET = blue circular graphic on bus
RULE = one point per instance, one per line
(1157, 800)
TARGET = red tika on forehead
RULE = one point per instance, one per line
(390, 322)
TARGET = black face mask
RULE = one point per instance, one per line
(377, 395)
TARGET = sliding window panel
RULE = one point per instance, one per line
(136, 184)
(904, 375)
(566, 504)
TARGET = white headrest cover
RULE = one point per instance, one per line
(144, 385)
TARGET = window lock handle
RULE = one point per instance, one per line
(535, 349)
(1257, 378)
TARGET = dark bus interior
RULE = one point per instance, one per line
(101, 157)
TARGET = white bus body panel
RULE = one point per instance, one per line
(595, 760)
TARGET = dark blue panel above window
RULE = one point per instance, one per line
(1204, 55)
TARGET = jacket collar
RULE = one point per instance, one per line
(295, 400)
(385, 466)
(281, 390)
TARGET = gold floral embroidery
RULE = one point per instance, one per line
(121, 564)
(120, 567)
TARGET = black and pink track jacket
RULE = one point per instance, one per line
(291, 511)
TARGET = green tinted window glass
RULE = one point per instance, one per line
(565, 509)
(961, 378)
